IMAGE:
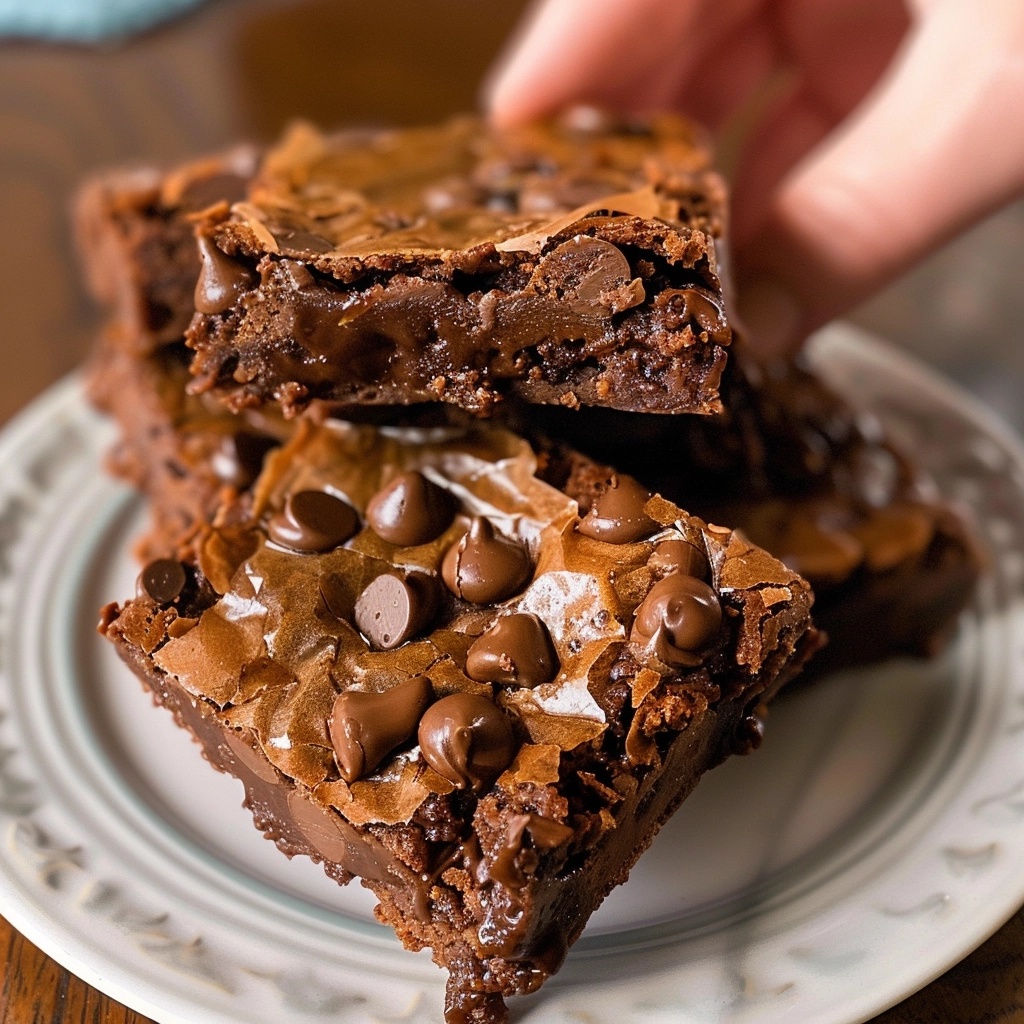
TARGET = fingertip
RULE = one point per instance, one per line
(772, 317)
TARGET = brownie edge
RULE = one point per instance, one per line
(573, 262)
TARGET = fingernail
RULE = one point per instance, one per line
(772, 318)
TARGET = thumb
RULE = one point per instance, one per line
(935, 147)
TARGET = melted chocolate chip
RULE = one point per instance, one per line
(617, 513)
(705, 311)
(679, 556)
(239, 458)
(680, 617)
(365, 727)
(411, 510)
(163, 580)
(591, 276)
(391, 610)
(484, 567)
(313, 521)
(516, 651)
(513, 861)
(467, 739)
(222, 280)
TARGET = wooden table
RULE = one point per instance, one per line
(239, 69)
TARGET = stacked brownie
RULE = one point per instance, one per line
(474, 662)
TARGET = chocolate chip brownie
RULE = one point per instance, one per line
(479, 693)
(569, 263)
(816, 482)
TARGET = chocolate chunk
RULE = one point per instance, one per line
(411, 510)
(617, 513)
(680, 617)
(313, 521)
(239, 459)
(163, 580)
(679, 556)
(391, 610)
(222, 280)
(516, 651)
(484, 567)
(591, 276)
(366, 726)
(467, 739)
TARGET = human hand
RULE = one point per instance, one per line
(875, 133)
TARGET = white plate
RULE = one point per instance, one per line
(875, 840)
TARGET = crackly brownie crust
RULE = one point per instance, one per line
(496, 878)
(572, 262)
(815, 481)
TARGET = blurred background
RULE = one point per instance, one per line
(240, 69)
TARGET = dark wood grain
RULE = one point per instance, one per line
(237, 69)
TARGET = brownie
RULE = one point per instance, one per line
(185, 453)
(478, 693)
(817, 483)
(136, 239)
(572, 262)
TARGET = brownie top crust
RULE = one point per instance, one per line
(508, 596)
(573, 261)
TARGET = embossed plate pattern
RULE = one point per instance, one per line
(875, 840)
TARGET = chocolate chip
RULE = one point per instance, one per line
(617, 513)
(313, 521)
(483, 567)
(163, 580)
(516, 651)
(679, 556)
(222, 280)
(391, 610)
(467, 739)
(239, 458)
(366, 726)
(590, 276)
(679, 618)
(411, 510)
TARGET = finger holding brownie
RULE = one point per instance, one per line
(873, 130)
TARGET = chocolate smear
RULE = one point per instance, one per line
(411, 510)
(366, 726)
(483, 567)
(516, 651)
(617, 513)
(313, 521)
(467, 739)
(393, 609)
